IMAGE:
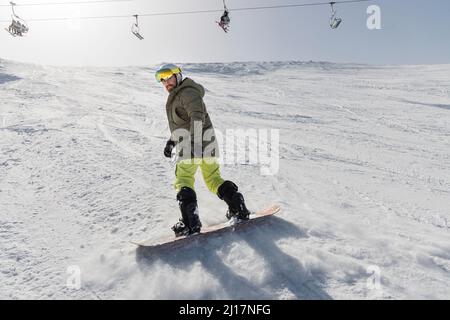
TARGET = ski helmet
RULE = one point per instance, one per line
(167, 70)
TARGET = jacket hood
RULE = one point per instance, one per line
(188, 83)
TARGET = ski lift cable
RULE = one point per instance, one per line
(64, 3)
(195, 12)
(122, 16)
(300, 5)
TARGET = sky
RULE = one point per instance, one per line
(412, 32)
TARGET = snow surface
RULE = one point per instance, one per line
(364, 182)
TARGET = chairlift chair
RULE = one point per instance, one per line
(334, 22)
(224, 19)
(135, 28)
(18, 26)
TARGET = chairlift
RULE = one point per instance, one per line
(224, 19)
(18, 26)
(334, 22)
(135, 28)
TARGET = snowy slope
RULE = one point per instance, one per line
(364, 181)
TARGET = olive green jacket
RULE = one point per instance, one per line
(189, 119)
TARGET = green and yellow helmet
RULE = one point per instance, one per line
(165, 71)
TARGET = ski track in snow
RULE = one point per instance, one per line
(364, 181)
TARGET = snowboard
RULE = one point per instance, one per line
(230, 226)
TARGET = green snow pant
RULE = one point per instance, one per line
(186, 169)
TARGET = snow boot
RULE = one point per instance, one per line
(190, 220)
(228, 192)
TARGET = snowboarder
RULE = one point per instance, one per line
(192, 134)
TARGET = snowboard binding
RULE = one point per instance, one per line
(180, 229)
(228, 192)
(189, 223)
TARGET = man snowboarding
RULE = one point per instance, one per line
(192, 134)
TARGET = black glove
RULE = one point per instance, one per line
(168, 149)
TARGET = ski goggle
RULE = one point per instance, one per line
(165, 74)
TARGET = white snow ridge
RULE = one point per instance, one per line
(363, 181)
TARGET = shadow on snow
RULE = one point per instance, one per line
(282, 271)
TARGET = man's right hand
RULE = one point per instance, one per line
(168, 149)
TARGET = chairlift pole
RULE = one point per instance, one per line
(12, 6)
(332, 7)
